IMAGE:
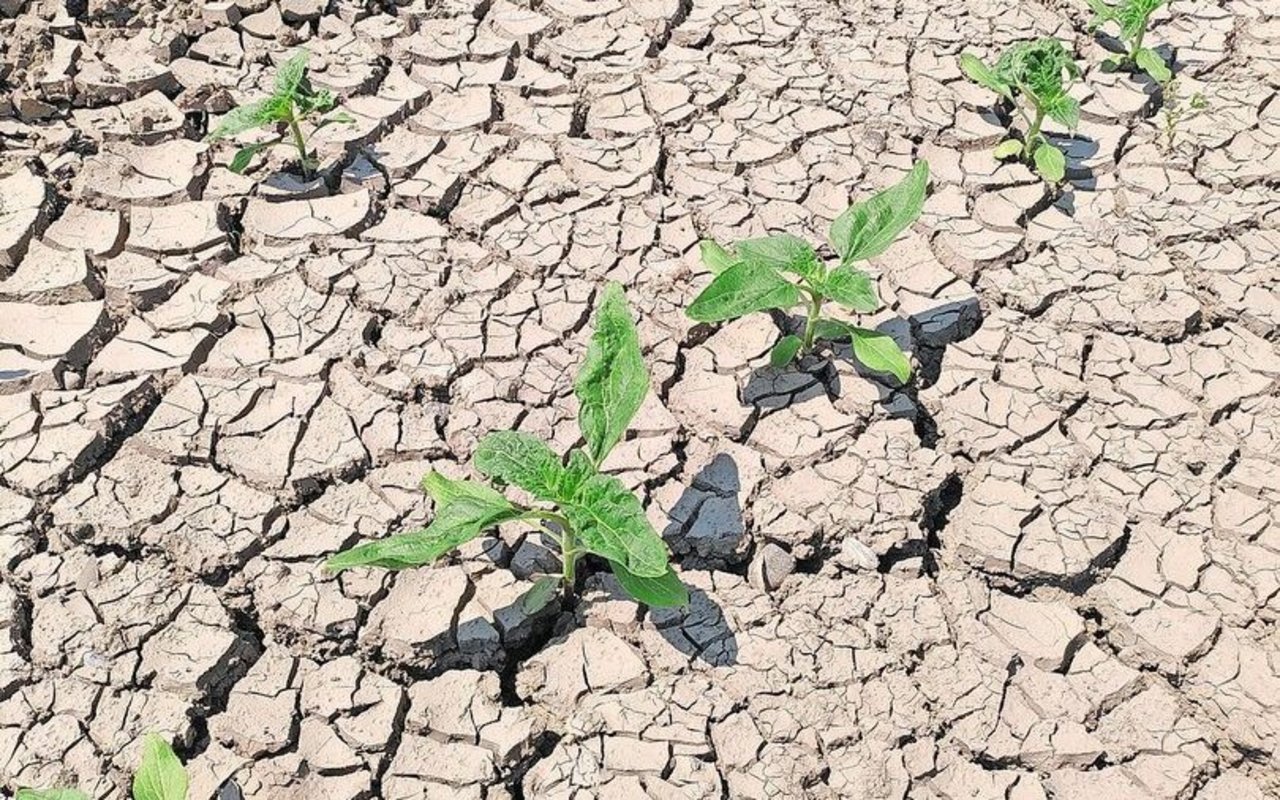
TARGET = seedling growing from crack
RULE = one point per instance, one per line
(293, 103)
(1178, 109)
(159, 777)
(1034, 78)
(583, 510)
(757, 275)
(1132, 16)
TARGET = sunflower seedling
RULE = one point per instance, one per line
(160, 776)
(1132, 16)
(783, 271)
(1034, 78)
(293, 103)
(583, 510)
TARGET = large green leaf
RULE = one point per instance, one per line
(50, 794)
(455, 524)
(851, 288)
(740, 290)
(868, 228)
(610, 522)
(984, 76)
(161, 775)
(248, 117)
(290, 74)
(521, 460)
(613, 381)
(783, 253)
(878, 351)
(665, 591)
(715, 257)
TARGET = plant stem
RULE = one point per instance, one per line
(1137, 42)
(1034, 133)
(811, 324)
(301, 144)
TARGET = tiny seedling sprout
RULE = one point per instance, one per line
(1133, 17)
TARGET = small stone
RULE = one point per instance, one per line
(770, 567)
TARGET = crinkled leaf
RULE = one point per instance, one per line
(868, 228)
(984, 76)
(290, 74)
(879, 352)
(246, 118)
(540, 594)
(456, 523)
(1008, 148)
(315, 102)
(784, 351)
(851, 288)
(521, 460)
(665, 591)
(1064, 110)
(613, 381)
(610, 522)
(50, 794)
(1150, 62)
(783, 252)
(740, 290)
(161, 775)
(714, 257)
(1050, 162)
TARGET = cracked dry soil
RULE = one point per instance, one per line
(1048, 568)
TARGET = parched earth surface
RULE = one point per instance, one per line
(1047, 568)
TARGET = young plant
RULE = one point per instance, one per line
(1178, 109)
(583, 510)
(783, 271)
(1033, 77)
(293, 103)
(1132, 16)
(159, 777)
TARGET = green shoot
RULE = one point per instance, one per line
(1132, 16)
(581, 509)
(159, 777)
(293, 103)
(783, 271)
(1034, 78)
(1178, 109)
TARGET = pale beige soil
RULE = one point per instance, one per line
(1047, 568)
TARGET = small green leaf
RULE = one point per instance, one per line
(1050, 162)
(783, 253)
(978, 72)
(1150, 62)
(851, 288)
(245, 154)
(784, 351)
(290, 74)
(444, 490)
(613, 381)
(1008, 148)
(740, 290)
(456, 523)
(161, 775)
(50, 794)
(868, 228)
(714, 257)
(611, 523)
(879, 352)
(665, 591)
(540, 594)
(520, 460)
(832, 331)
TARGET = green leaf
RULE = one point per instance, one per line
(665, 591)
(610, 522)
(540, 594)
(978, 72)
(444, 490)
(714, 257)
(1008, 148)
(521, 460)
(740, 290)
(879, 352)
(1150, 62)
(290, 74)
(832, 331)
(613, 381)
(851, 288)
(161, 775)
(1050, 162)
(784, 351)
(868, 228)
(245, 154)
(248, 117)
(783, 253)
(1063, 110)
(50, 794)
(455, 524)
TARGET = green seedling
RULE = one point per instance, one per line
(293, 104)
(784, 271)
(159, 777)
(1178, 109)
(1132, 16)
(583, 510)
(1034, 77)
